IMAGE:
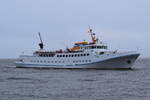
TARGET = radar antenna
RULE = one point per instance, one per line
(41, 44)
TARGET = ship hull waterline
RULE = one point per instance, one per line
(121, 62)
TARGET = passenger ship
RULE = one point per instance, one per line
(94, 54)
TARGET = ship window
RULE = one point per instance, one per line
(69, 55)
(75, 55)
(55, 61)
(101, 53)
(84, 54)
(88, 54)
(48, 61)
(66, 55)
(93, 47)
(78, 55)
(60, 55)
(57, 55)
(51, 61)
(81, 54)
(63, 55)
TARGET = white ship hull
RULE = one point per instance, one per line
(114, 61)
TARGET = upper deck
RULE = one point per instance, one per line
(79, 47)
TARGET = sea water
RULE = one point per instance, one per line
(74, 84)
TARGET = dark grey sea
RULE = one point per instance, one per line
(79, 84)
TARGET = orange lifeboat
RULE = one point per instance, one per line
(75, 48)
(83, 43)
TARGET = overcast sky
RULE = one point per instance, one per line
(123, 24)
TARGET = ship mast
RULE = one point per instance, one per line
(93, 37)
(41, 45)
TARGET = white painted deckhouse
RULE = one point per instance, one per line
(83, 54)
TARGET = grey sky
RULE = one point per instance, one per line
(122, 24)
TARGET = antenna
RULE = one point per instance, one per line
(41, 44)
